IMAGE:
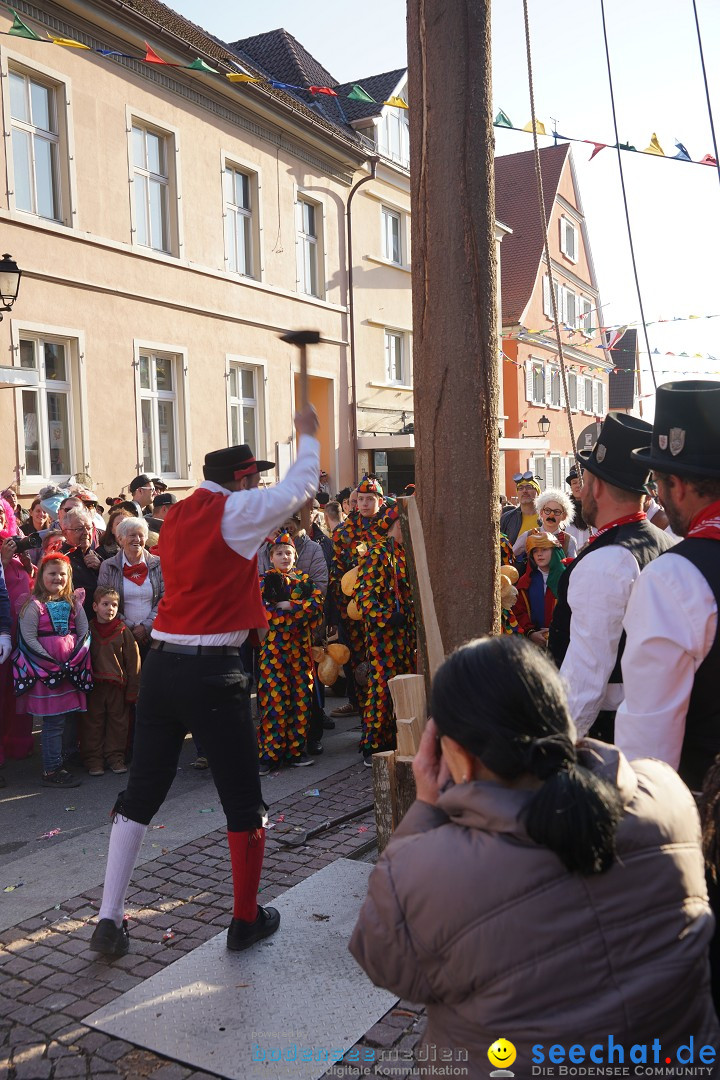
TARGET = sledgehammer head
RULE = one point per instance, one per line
(301, 337)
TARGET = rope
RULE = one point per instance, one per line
(624, 195)
(707, 92)
(543, 216)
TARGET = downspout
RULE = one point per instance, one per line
(351, 309)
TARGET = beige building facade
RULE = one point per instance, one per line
(170, 225)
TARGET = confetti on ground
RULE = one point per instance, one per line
(47, 835)
(281, 817)
(69, 807)
(12, 888)
(240, 986)
(270, 825)
(157, 826)
(210, 811)
(320, 918)
(168, 935)
(314, 791)
(363, 828)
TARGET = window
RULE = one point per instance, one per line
(535, 382)
(158, 375)
(35, 145)
(585, 321)
(539, 468)
(240, 198)
(569, 306)
(556, 471)
(395, 357)
(589, 397)
(555, 388)
(47, 410)
(600, 405)
(152, 186)
(393, 133)
(572, 382)
(243, 406)
(568, 239)
(391, 236)
(309, 247)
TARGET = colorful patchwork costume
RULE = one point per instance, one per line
(350, 541)
(383, 596)
(286, 673)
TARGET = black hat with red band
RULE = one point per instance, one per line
(233, 463)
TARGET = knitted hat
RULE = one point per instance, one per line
(370, 486)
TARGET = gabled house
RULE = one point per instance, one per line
(532, 386)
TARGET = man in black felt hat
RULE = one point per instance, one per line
(193, 679)
(142, 490)
(672, 655)
(586, 637)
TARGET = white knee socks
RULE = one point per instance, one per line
(126, 838)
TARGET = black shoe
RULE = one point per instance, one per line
(301, 761)
(328, 724)
(315, 749)
(60, 778)
(109, 939)
(241, 935)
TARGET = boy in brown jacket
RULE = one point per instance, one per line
(116, 672)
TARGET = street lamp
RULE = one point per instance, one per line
(544, 425)
(10, 276)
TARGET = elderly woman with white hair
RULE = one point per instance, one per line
(555, 512)
(136, 576)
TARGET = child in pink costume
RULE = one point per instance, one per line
(52, 662)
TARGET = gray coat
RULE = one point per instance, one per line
(466, 914)
(310, 560)
(111, 573)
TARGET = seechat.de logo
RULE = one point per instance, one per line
(501, 1054)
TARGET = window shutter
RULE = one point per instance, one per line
(596, 396)
(580, 393)
(562, 390)
(570, 308)
(547, 302)
(563, 245)
(528, 380)
(548, 385)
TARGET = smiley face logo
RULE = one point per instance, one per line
(502, 1054)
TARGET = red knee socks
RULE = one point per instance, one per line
(246, 859)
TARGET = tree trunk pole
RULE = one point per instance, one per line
(454, 291)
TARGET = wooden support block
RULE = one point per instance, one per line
(405, 792)
(383, 774)
(409, 734)
(408, 694)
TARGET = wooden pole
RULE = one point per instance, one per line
(455, 339)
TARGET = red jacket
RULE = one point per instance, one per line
(521, 611)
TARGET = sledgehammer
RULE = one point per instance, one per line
(303, 338)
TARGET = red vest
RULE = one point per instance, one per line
(209, 588)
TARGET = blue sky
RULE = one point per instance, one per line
(674, 207)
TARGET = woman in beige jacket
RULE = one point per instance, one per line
(549, 896)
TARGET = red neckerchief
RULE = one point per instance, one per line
(136, 572)
(108, 629)
(706, 524)
(627, 520)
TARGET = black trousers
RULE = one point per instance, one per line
(208, 696)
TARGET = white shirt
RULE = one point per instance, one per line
(671, 622)
(598, 592)
(137, 599)
(250, 516)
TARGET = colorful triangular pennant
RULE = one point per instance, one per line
(396, 103)
(323, 90)
(69, 43)
(200, 65)
(539, 127)
(502, 120)
(682, 154)
(19, 29)
(654, 147)
(236, 77)
(358, 94)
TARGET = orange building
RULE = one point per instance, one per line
(536, 430)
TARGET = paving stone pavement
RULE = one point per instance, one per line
(50, 980)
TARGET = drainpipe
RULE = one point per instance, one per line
(351, 308)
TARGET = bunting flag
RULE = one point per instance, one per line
(396, 103)
(19, 29)
(627, 146)
(539, 127)
(151, 57)
(358, 94)
(503, 120)
(284, 85)
(682, 154)
(616, 335)
(654, 147)
(323, 90)
(200, 65)
(69, 43)
(598, 147)
(708, 160)
(237, 78)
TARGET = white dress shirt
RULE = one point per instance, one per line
(137, 599)
(598, 592)
(250, 516)
(670, 622)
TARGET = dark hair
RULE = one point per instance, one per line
(502, 700)
(707, 487)
(344, 494)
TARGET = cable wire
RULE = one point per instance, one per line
(707, 91)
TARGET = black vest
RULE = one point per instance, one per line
(702, 725)
(645, 542)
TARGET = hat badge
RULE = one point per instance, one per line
(600, 452)
(662, 442)
(677, 441)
